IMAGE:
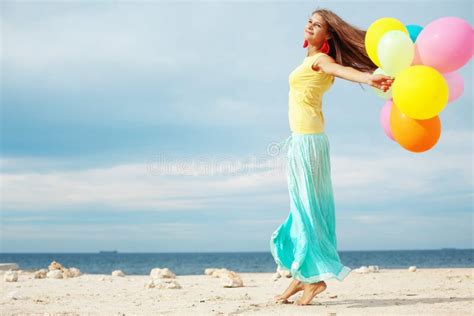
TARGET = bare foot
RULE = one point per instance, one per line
(294, 287)
(310, 291)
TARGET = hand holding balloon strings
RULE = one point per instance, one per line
(380, 82)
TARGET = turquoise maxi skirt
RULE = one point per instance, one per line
(305, 244)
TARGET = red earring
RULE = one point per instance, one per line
(325, 48)
(305, 44)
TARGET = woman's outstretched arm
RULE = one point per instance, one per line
(328, 65)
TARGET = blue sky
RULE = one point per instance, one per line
(146, 126)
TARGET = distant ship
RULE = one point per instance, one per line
(448, 248)
(108, 251)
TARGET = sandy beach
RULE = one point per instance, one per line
(386, 292)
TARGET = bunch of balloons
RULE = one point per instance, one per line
(424, 64)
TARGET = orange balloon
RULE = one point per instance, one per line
(412, 134)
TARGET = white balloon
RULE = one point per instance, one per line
(395, 51)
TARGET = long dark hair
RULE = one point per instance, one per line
(347, 42)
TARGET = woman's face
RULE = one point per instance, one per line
(315, 30)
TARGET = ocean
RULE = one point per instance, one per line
(195, 263)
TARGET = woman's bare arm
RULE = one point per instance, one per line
(328, 65)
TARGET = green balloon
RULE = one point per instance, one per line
(395, 51)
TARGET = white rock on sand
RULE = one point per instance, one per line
(11, 276)
(163, 284)
(118, 273)
(41, 274)
(165, 273)
(55, 266)
(162, 278)
(365, 269)
(73, 272)
(209, 271)
(56, 271)
(54, 274)
(232, 279)
(217, 273)
(229, 278)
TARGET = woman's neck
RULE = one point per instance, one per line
(312, 51)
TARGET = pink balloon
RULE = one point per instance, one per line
(385, 119)
(455, 85)
(445, 44)
(472, 40)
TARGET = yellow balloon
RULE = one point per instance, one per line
(375, 32)
(420, 92)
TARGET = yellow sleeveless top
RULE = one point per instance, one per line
(307, 87)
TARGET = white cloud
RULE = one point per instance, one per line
(143, 36)
(104, 36)
(187, 184)
(136, 64)
(133, 186)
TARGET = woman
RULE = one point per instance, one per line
(305, 244)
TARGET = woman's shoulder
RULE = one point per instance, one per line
(321, 57)
(317, 58)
